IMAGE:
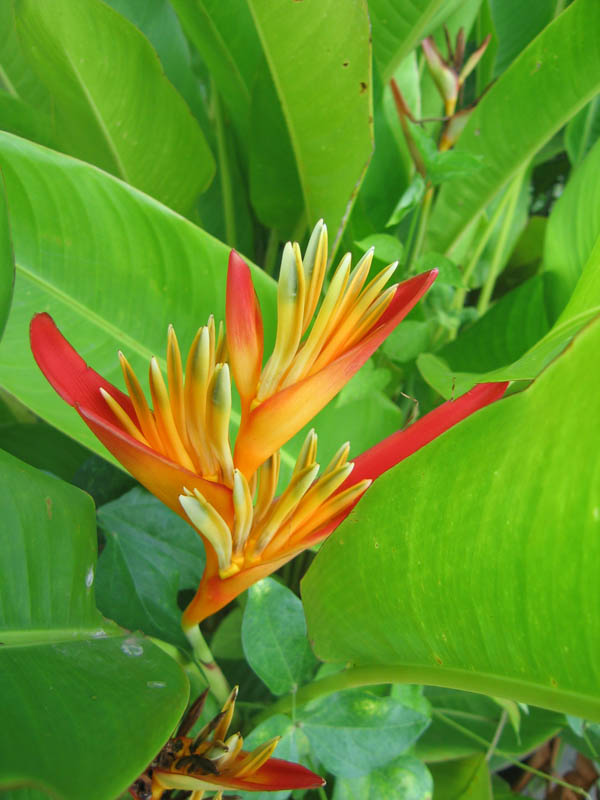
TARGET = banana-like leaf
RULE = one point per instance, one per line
(469, 565)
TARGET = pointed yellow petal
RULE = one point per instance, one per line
(144, 415)
(267, 485)
(314, 264)
(217, 419)
(290, 310)
(330, 509)
(284, 507)
(197, 372)
(243, 511)
(227, 710)
(308, 452)
(210, 524)
(258, 757)
(175, 381)
(125, 420)
(164, 418)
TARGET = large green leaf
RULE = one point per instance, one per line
(144, 132)
(546, 85)
(319, 58)
(398, 27)
(7, 261)
(85, 705)
(485, 585)
(229, 46)
(406, 778)
(572, 232)
(516, 25)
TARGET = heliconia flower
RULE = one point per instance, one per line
(180, 449)
(214, 761)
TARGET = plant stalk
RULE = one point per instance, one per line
(217, 682)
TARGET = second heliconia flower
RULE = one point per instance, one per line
(180, 448)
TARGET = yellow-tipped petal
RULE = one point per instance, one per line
(164, 418)
(227, 710)
(144, 415)
(175, 381)
(339, 340)
(221, 345)
(372, 314)
(126, 422)
(357, 279)
(267, 485)
(314, 264)
(290, 310)
(308, 452)
(243, 511)
(210, 524)
(217, 419)
(316, 338)
(284, 506)
(315, 497)
(339, 458)
(258, 757)
(197, 374)
(329, 510)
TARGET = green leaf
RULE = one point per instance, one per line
(516, 25)
(23, 120)
(356, 731)
(443, 165)
(150, 555)
(410, 200)
(513, 325)
(16, 75)
(467, 778)
(408, 340)
(399, 27)
(43, 447)
(226, 642)
(522, 111)
(64, 668)
(230, 47)
(7, 260)
(518, 518)
(572, 232)
(143, 133)
(387, 248)
(159, 23)
(287, 748)
(274, 637)
(406, 778)
(448, 272)
(330, 133)
(583, 131)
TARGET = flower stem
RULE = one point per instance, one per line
(422, 228)
(217, 682)
(488, 287)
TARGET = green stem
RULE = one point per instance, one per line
(217, 682)
(459, 298)
(224, 171)
(488, 287)
(431, 675)
(480, 739)
(422, 227)
(497, 735)
(271, 252)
